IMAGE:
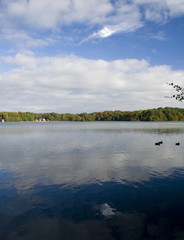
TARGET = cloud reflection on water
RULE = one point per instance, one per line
(72, 154)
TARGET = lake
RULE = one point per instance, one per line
(91, 180)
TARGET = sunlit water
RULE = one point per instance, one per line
(96, 180)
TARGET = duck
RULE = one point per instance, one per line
(157, 143)
(177, 144)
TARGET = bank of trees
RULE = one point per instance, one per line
(159, 114)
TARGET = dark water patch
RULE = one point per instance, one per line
(147, 210)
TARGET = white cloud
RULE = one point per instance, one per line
(69, 83)
(158, 36)
(160, 11)
(24, 40)
(110, 18)
(126, 19)
(109, 30)
(50, 14)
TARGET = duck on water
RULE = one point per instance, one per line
(161, 142)
(158, 143)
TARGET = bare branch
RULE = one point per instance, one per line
(180, 92)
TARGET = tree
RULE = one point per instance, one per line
(180, 92)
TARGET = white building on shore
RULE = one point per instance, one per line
(41, 120)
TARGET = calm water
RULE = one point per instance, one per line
(102, 180)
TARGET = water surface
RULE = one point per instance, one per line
(95, 180)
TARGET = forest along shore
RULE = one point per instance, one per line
(159, 114)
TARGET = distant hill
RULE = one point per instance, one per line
(159, 114)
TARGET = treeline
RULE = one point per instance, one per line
(159, 114)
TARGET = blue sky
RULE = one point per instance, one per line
(85, 56)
